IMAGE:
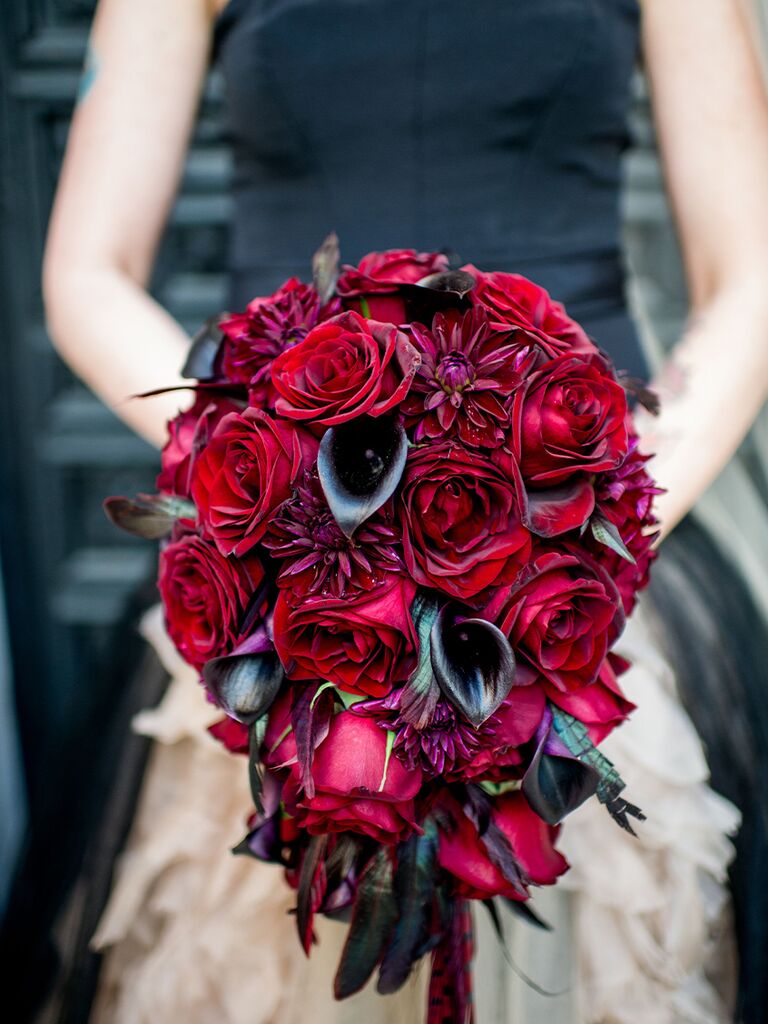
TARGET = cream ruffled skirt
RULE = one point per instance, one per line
(641, 927)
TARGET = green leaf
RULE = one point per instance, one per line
(605, 532)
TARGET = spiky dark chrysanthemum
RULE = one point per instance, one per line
(448, 741)
(318, 557)
(253, 339)
(467, 373)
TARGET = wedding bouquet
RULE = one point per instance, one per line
(403, 522)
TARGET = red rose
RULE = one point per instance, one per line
(461, 523)
(204, 596)
(562, 620)
(601, 706)
(570, 415)
(625, 498)
(363, 646)
(463, 854)
(190, 426)
(269, 326)
(248, 468)
(357, 788)
(376, 279)
(345, 367)
(510, 727)
(231, 734)
(514, 301)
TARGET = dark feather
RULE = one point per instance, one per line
(523, 909)
(414, 885)
(311, 719)
(312, 885)
(150, 516)
(421, 693)
(325, 267)
(373, 919)
(637, 387)
(201, 358)
(479, 808)
(450, 982)
(574, 735)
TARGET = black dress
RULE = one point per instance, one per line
(493, 130)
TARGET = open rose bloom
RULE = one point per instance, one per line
(402, 525)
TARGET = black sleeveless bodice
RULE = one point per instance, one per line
(493, 128)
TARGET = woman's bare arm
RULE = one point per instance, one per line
(712, 120)
(124, 157)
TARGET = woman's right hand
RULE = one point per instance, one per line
(144, 73)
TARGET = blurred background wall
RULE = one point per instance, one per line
(72, 586)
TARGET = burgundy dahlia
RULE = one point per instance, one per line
(269, 326)
(446, 742)
(467, 373)
(319, 558)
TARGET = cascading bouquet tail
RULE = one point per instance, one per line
(402, 524)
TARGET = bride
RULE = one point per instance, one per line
(494, 128)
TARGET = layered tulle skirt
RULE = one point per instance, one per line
(640, 927)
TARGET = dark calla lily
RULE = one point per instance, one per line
(200, 363)
(448, 289)
(325, 267)
(473, 664)
(246, 682)
(150, 516)
(360, 464)
(557, 510)
(458, 281)
(556, 782)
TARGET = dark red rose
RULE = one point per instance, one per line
(562, 620)
(362, 645)
(460, 521)
(376, 278)
(231, 734)
(601, 706)
(192, 426)
(513, 301)
(204, 595)
(625, 498)
(345, 367)
(269, 326)
(248, 468)
(510, 727)
(357, 787)
(570, 415)
(464, 855)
